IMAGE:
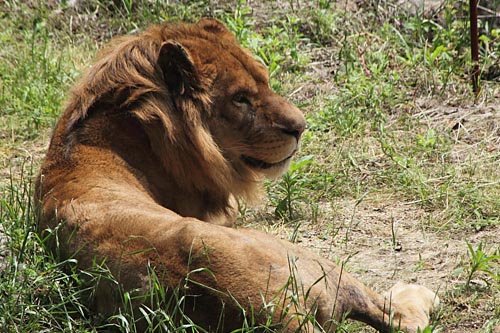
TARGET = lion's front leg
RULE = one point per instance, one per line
(413, 305)
(295, 284)
(403, 308)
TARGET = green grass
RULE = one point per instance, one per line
(34, 72)
(391, 116)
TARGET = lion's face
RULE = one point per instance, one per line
(255, 128)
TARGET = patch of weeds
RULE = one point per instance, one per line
(335, 117)
(276, 45)
(479, 222)
(328, 174)
(37, 294)
(327, 25)
(428, 140)
(439, 46)
(125, 16)
(431, 329)
(491, 326)
(156, 309)
(439, 41)
(34, 73)
(476, 204)
(290, 193)
(490, 43)
(418, 164)
(162, 309)
(189, 11)
(421, 167)
(360, 105)
(481, 265)
(241, 23)
(279, 49)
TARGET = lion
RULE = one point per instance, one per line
(158, 141)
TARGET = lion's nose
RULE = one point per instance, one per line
(293, 128)
(286, 117)
(294, 124)
(297, 132)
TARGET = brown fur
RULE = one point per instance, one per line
(158, 140)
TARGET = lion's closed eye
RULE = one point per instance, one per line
(241, 99)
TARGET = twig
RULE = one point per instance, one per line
(363, 63)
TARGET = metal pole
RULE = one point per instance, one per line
(474, 46)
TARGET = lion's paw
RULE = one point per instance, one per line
(412, 306)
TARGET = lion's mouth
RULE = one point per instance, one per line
(259, 164)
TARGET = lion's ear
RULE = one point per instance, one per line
(214, 26)
(179, 70)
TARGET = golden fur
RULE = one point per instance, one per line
(160, 137)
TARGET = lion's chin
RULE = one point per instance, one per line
(270, 170)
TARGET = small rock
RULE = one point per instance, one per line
(4, 251)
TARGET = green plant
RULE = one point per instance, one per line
(344, 121)
(161, 309)
(275, 46)
(481, 262)
(287, 194)
(428, 140)
(240, 23)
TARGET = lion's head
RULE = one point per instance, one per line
(204, 103)
(257, 130)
